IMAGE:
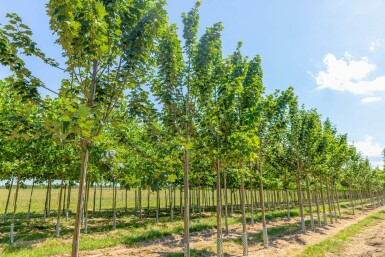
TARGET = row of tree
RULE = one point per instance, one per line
(139, 107)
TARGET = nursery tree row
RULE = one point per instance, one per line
(145, 105)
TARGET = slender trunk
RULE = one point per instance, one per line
(329, 200)
(312, 227)
(338, 202)
(94, 201)
(180, 201)
(114, 204)
(126, 201)
(172, 206)
(226, 203)
(46, 202)
(317, 202)
(262, 201)
(9, 196)
(219, 208)
(287, 204)
(148, 202)
(59, 207)
(15, 207)
(332, 196)
(252, 202)
(100, 197)
(351, 198)
(231, 202)
(79, 209)
(49, 199)
(68, 200)
(140, 203)
(157, 206)
(323, 202)
(165, 199)
(30, 198)
(85, 211)
(300, 201)
(64, 199)
(174, 196)
(244, 228)
(186, 224)
(362, 202)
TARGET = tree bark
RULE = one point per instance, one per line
(317, 202)
(219, 208)
(312, 227)
(15, 207)
(226, 203)
(300, 201)
(262, 202)
(79, 209)
(244, 228)
(9, 196)
(30, 198)
(59, 208)
(329, 200)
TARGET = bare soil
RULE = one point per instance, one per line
(370, 244)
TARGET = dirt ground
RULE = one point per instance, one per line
(370, 243)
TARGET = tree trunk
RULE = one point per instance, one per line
(157, 206)
(252, 202)
(79, 209)
(148, 202)
(140, 203)
(64, 198)
(9, 196)
(49, 199)
(85, 211)
(46, 202)
(244, 228)
(329, 200)
(172, 206)
(225, 196)
(15, 207)
(59, 208)
(115, 194)
(300, 201)
(323, 202)
(219, 208)
(94, 201)
(362, 202)
(317, 202)
(262, 201)
(312, 227)
(100, 197)
(30, 198)
(351, 198)
(338, 202)
(68, 200)
(126, 201)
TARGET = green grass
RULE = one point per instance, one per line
(131, 230)
(335, 244)
(129, 236)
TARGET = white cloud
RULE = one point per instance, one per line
(369, 148)
(348, 75)
(371, 99)
(372, 150)
(375, 44)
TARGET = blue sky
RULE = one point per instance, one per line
(331, 52)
